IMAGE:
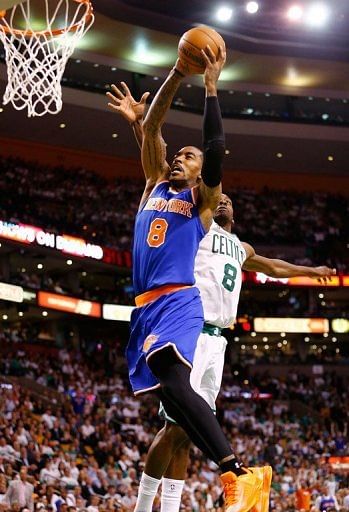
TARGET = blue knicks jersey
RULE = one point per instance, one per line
(326, 503)
(167, 234)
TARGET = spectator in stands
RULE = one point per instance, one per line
(326, 501)
(20, 491)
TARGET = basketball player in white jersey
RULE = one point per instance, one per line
(218, 269)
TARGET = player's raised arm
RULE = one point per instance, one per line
(154, 147)
(281, 268)
(210, 189)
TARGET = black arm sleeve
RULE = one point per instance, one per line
(213, 142)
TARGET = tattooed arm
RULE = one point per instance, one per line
(154, 147)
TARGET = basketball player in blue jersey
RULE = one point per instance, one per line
(174, 215)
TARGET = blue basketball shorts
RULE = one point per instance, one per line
(175, 319)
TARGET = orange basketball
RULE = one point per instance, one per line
(191, 44)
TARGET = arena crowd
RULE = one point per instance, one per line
(83, 450)
(83, 203)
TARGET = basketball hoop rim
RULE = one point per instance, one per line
(88, 15)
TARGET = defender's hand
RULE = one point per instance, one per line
(324, 274)
(126, 105)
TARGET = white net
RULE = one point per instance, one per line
(36, 60)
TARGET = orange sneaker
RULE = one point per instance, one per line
(265, 474)
(241, 492)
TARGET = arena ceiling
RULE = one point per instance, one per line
(136, 41)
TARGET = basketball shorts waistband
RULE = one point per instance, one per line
(212, 330)
(152, 295)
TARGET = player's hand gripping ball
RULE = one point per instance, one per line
(191, 44)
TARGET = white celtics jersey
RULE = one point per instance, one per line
(218, 273)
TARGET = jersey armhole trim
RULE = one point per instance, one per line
(194, 194)
(140, 208)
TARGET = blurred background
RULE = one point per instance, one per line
(70, 186)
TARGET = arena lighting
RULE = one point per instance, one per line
(4, 317)
(69, 304)
(252, 7)
(11, 292)
(340, 325)
(224, 13)
(117, 312)
(246, 326)
(334, 339)
(40, 266)
(330, 158)
(295, 13)
(253, 334)
(317, 15)
(291, 325)
(67, 244)
(69, 262)
(62, 125)
(306, 339)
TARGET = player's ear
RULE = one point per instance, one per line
(199, 179)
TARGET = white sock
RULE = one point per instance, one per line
(148, 488)
(171, 494)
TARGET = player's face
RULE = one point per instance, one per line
(186, 165)
(224, 212)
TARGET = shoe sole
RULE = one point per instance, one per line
(263, 505)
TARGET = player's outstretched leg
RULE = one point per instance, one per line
(242, 487)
